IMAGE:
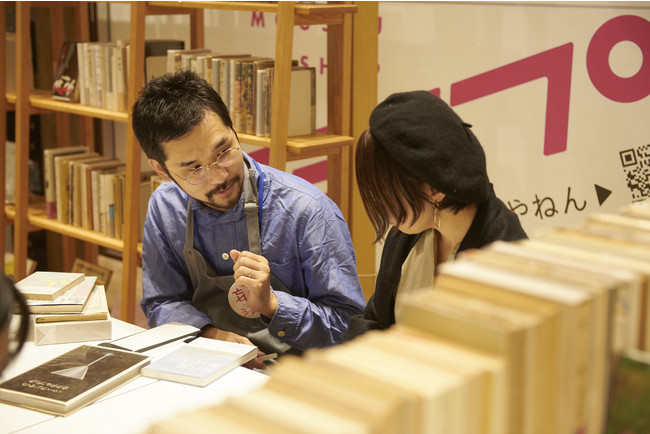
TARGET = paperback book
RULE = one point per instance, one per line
(48, 285)
(73, 300)
(96, 308)
(200, 361)
(72, 380)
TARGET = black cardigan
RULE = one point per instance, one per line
(493, 221)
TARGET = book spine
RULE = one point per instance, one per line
(259, 102)
(120, 76)
(215, 75)
(50, 195)
(82, 82)
(95, 200)
(111, 99)
(269, 100)
(251, 76)
(231, 88)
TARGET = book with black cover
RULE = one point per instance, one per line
(72, 380)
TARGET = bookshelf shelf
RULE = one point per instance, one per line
(38, 220)
(44, 100)
(300, 147)
(41, 101)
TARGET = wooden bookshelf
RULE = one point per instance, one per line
(336, 144)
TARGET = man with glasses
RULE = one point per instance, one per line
(241, 250)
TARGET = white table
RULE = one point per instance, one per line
(132, 408)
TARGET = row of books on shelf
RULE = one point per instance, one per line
(92, 73)
(85, 189)
(245, 83)
(536, 336)
(95, 74)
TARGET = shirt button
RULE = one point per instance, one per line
(281, 333)
(225, 256)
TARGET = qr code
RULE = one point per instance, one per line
(636, 164)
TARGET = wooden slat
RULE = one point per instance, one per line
(339, 82)
(3, 126)
(21, 196)
(132, 187)
(197, 29)
(281, 85)
(364, 95)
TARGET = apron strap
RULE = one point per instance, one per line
(251, 208)
(189, 225)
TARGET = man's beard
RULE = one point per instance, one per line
(222, 187)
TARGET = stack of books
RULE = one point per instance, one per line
(533, 336)
(66, 307)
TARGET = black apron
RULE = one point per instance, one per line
(211, 289)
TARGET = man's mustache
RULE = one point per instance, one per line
(222, 187)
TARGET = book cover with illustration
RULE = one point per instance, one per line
(48, 285)
(65, 86)
(72, 380)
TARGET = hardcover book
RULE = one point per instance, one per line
(72, 380)
(73, 300)
(48, 285)
(200, 362)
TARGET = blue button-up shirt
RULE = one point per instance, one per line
(303, 236)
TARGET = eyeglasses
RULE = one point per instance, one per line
(201, 173)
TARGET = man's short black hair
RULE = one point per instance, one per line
(170, 106)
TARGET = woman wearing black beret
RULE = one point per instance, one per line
(422, 173)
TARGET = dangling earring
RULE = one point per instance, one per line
(436, 216)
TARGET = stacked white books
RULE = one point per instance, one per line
(66, 307)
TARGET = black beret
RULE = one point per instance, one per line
(428, 139)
